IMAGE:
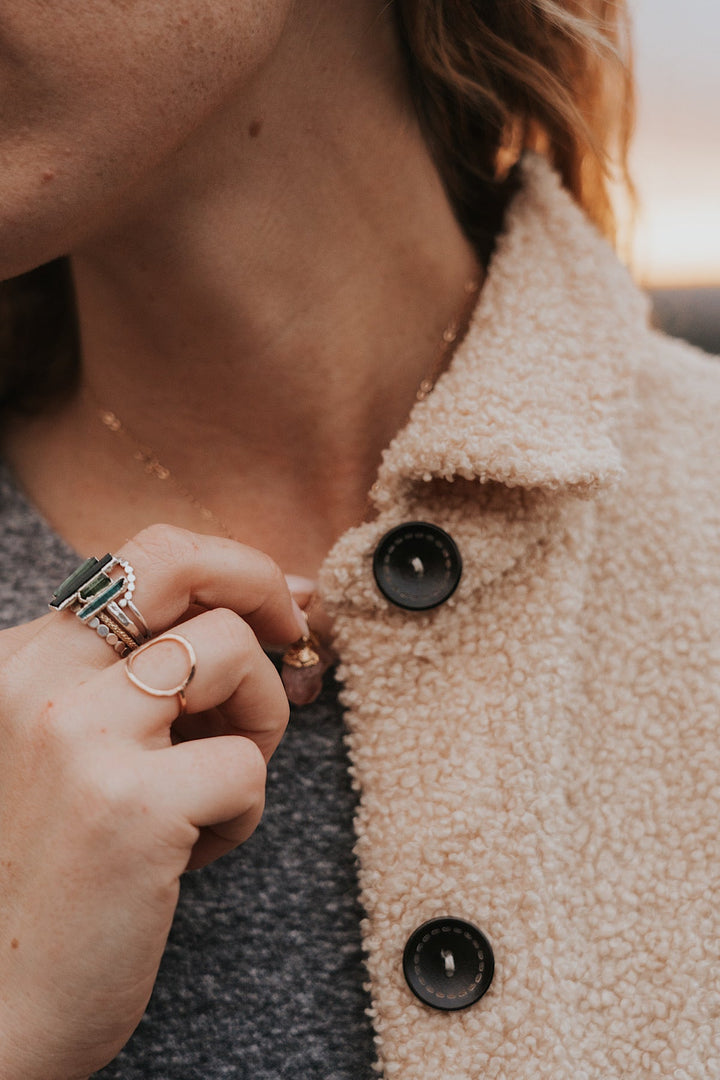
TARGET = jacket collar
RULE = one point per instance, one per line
(531, 397)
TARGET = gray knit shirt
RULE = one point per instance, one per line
(262, 978)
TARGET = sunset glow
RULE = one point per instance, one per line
(677, 243)
(676, 155)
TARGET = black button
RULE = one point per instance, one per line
(417, 565)
(448, 963)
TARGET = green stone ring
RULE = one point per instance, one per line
(98, 601)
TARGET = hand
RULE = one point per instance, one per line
(104, 801)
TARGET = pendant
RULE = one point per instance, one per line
(303, 667)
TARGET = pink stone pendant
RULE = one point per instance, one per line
(303, 667)
(302, 685)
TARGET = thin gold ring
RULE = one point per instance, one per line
(173, 691)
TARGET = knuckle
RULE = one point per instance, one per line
(117, 812)
(167, 544)
(254, 768)
(234, 630)
(271, 572)
(282, 715)
(109, 796)
(53, 726)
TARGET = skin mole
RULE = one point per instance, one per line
(255, 129)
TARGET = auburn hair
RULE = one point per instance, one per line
(489, 79)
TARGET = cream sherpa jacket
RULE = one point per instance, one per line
(540, 754)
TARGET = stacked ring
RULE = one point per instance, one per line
(102, 602)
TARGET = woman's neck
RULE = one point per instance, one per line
(263, 310)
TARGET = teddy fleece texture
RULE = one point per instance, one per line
(540, 754)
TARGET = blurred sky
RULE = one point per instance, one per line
(676, 155)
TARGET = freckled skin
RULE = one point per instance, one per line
(94, 99)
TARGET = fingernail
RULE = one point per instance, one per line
(301, 618)
(300, 586)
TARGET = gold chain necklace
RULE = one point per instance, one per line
(307, 659)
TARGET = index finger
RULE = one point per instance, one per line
(176, 569)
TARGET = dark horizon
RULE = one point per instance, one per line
(690, 312)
